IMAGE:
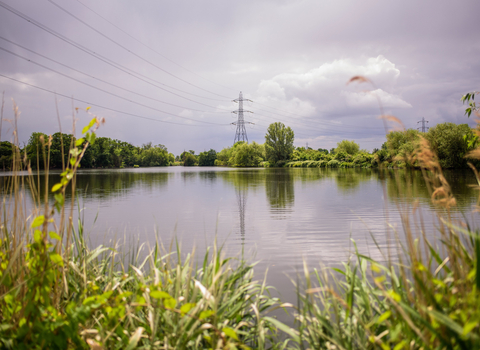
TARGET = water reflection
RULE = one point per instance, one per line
(241, 200)
(284, 215)
(280, 190)
(349, 180)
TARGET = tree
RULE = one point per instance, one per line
(35, 149)
(349, 147)
(189, 159)
(247, 155)
(278, 143)
(447, 141)
(6, 155)
(207, 158)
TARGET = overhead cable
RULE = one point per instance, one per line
(130, 51)
(153, 50)
(106, 82)
(112, 109)
(104, 59)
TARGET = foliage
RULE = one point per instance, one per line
(278, 143)
(104, 153)
(472, 106)
(247, 155)
(242, 154)
(189, 159)
(6, 155)
(349, 147)
(447, 141)
(207, 158)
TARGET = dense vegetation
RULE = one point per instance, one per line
(451, 142)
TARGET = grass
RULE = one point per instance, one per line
(56, 292)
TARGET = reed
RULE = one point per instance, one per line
(426, 296)
(57, 293)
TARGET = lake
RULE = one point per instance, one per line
(279, 217)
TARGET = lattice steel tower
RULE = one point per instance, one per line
(241, 133)
(423, 127)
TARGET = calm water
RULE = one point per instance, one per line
(277, 216)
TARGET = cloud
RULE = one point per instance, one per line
(323, 90)
(372, 99)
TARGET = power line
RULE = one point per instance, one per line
(106, 60)
(97, 88)
(145, 45)
(130, 51)
(101, 80)
(111, 109)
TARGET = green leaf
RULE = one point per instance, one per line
(37, 236)
(384, 316)
(187, 307)
(90, 137)
(283, 327)
(59, 198)
(72, 161)
(54, 235)
(170, 303)
(469, 326)
(158, 294)
(402, 345)
(56, 187)
(39, 220)
(230, 332)
(205, 314)
(79, 142)
(92, 122)
(56, 259)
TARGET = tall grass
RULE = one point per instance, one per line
(428, 297)
(57, 293)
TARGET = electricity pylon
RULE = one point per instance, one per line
(424, 128)
(241, 133)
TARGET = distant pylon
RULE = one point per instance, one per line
(241, 133)
(424, 128)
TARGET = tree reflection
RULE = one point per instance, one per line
(104, 184)
(280, 189)
(348, 180)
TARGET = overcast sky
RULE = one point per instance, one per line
(166, 72)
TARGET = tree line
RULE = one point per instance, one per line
(451, 142)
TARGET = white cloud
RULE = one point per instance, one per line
(373, 99)
(323, 90)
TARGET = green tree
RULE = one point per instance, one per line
(278, 143)
(402, 143)
(189, 159)
(247, 155)
(207, 158)
(56, 152)
(447, 141)
(6, 155)
(223, 157)
(35, 149)
(349, 147)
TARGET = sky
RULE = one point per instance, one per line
(167, 72)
